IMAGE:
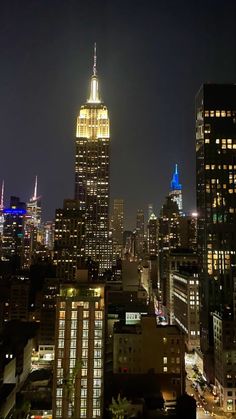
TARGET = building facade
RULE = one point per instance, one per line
(186, 306)
(164, 357)
(79, 352)
(216, 232)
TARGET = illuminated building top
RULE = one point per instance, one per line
(175, 185)
(93, 120)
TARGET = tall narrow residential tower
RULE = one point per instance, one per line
(92, 173)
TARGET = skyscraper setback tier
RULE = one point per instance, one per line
(92, 174)
(216, 232)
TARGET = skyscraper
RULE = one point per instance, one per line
(216, 234)
(92, 174)
(152, 238)
(140, 233)
(176, 189)
(117, 227)
(1, 211)
(68, 241)
(32, 228)
(13, 233)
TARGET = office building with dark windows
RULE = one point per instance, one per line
(69, 240)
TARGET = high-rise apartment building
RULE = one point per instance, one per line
(79, 352)
(92, 174)
(216, 233)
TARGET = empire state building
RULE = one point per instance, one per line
(92, 174)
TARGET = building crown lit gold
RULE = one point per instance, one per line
(93, 120)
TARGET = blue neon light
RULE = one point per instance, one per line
(14, 211)
(174, 184)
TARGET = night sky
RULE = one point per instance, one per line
(153, 57)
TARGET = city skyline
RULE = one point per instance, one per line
(154, 58)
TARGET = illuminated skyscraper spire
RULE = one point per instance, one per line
(35, 197)
(94, 94)
(95, 60)
(176, 189)
(175, 185)
(2, 197)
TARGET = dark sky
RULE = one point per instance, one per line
(152, 58)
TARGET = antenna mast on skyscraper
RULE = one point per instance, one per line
(2, 197)
(35, 196)
(95, 59)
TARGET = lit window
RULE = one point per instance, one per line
(60, 343)
(97, 373)
(83, 392)
(98, 314)
(96, 412)
(84, 343)
(165, 369)
(61, 324)
(98, 324)
(165, 360)
(98, 343)
(97, 382)
(83, 413)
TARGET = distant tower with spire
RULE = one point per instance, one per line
(34, 206)
(176, 189)
(92, 174)
(1, 209)
(32, 228)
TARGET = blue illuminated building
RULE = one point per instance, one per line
(174, 184)
(14, 211)
(176, 189)
(13, 233)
